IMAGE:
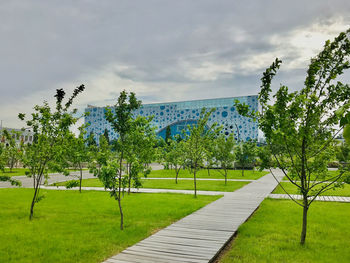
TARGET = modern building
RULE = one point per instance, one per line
(178, 115)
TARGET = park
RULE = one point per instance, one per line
(258, 178)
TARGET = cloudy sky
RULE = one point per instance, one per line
(163, 50)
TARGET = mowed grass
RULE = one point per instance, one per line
(330, 175)
(214, 174)
(292, 189)
(170, 184)
(14, 172)
(273, 234)
(73, 227)
(21, 172)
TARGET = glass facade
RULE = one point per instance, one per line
(178, 115)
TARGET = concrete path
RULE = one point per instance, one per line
(318, 198)
(140, 190)
(53, 178)
(200, 236)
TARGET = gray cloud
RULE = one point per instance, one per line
(163, 50)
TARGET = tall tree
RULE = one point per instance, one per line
(51, 129)
(175, 156)
(195, 148)
(121, 120)
(300, 127)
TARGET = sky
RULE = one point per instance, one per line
(163, 50)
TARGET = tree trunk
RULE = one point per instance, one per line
(225, 176)
(36, 189)
(177, 173)
(304, 227)
(195, 182)
(208, 171)
(242, 170)
(119, 191)
(129, 169)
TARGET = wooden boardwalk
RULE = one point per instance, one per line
(199, 237)
(329, 198)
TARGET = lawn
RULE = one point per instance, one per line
(214, 174)
(170, 184)
(292, 189)
(73, 227)
(330, 175)
(21, 171)
(273, 233)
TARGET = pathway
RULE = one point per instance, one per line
(318, 198)
(200, 236)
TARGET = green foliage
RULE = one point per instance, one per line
(10, 180)
(51, 130)
(245, 153)
(175, 156)
(224, 153)
(195, 142)
(12, 153)
(300, 126)
(105, 134)
(168, 136)
(110, 165)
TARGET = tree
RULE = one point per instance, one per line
(91, 142)
(224, 153)
(77, 153)
(168, 135)
(245, 154)
(175, 155)
(300, 127)
(195, 138)
(12, 151)
(141, 141)
(51, 129)
(121, 122)
(105, 134)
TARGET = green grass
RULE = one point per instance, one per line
(273, 234)
(14, 172)
(21, 171)
(214, 174)
(330, 175)
(292, 189)
(170, 184)
(73, 227)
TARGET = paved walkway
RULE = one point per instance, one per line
(318, 198)
(200, 236)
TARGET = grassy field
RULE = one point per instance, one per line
(20, 171)
(330, 174)
(292, 189)
(214, 174)
(170, 184)
(273, 233)
(73, 227)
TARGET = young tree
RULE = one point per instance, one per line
(224, 153)
(51, 130)
(121, 120)
(91, 142)
(105, 134)
(13, 151)
(168, 135)
(195, 139)
(175, 156)
(245, 154)
(300, 126)
(77, 153)
(141, 141)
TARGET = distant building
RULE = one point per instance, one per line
(178, 115)
(25, 136)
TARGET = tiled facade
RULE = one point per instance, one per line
(179, 114)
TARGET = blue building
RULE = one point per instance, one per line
(178, 115)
